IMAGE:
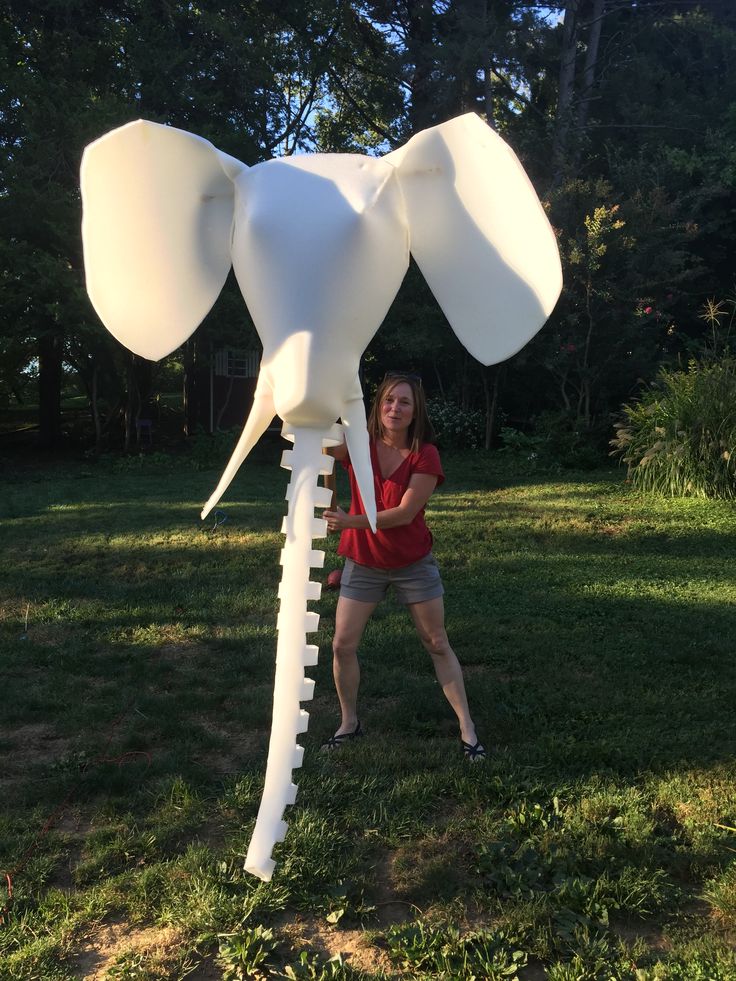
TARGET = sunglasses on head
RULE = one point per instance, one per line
(403, 374)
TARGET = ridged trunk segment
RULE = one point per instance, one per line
(306, 462)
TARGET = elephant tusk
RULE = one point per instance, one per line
(256, 424)
(356, 438)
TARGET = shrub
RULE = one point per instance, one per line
(456, 428)
(521, 445)
(570, 443)
(680, 438)
(209, 451)
(153, 462)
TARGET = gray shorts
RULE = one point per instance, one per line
(415, 583)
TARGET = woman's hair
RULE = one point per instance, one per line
(420, 430)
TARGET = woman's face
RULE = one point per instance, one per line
(397, 408)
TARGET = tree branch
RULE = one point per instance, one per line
(358, 108)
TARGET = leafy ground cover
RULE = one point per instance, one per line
(596, 626)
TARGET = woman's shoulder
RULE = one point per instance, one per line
(428, 451)
(427, 460)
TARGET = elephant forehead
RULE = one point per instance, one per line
(313, 184)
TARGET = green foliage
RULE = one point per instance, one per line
(256, 79)
(208, 451)
(310, 967)
(721, 894)
(440, 952)
(456, 428)
(527, 451)
(556, 441)
(594, 324)
(244, 954)
(569, 443)
(130, 966)
(680, 438)
(138, 659)
(155, 461)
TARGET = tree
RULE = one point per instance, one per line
(252, 78)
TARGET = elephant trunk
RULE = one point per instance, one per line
(306, 462)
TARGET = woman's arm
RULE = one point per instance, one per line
(339, 452)
(415, 497)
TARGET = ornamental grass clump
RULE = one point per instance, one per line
(680, 438)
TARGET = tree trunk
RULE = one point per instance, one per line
(420, 49)
(132, 402)
(440, 386)
(50, 348)
(95, 409)
(584, 395)
(225, 404)
(591, 60)
(196, 387)
(464, 387)
(492, 378)
(488, 94)
(563, 119)
(190, 388)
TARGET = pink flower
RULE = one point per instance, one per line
(648, 309)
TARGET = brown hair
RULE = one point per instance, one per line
(420, 430)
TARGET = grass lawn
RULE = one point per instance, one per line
(597, 632)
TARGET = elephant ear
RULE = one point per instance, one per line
(156, 229)
(479, 235)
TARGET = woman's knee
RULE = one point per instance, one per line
(344, 648)
(436, 642)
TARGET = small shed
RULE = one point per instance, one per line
(233, 376)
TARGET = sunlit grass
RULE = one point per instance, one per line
(137, 645)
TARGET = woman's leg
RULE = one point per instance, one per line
(429, 619)
(350, 620)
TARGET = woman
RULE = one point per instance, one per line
(406, 468)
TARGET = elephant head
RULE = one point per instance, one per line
(319, 244)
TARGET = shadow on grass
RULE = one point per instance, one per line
(569, 636)
(596, 634)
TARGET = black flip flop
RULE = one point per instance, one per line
(476, 754)
(335, 742)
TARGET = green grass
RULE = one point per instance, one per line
(596, 628)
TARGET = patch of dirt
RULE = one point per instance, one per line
(390, 908)
(183, 649)
(21, 615)
(112, 940)
(534, 971)
(47, 634)
(72, 825)
(633, 930)
(619, 526)
(428, 871)
(29, 745)
(206, 970)
(357, 950)
(241, 748)
(211, 833)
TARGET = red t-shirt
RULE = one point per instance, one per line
(390, 548)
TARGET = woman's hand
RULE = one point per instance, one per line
(337, 520)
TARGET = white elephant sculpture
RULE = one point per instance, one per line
(320, 244)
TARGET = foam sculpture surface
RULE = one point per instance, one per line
(320, 244)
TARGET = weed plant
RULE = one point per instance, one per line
(595, 625)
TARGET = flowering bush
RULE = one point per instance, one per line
(680, 438)
(456, 428)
